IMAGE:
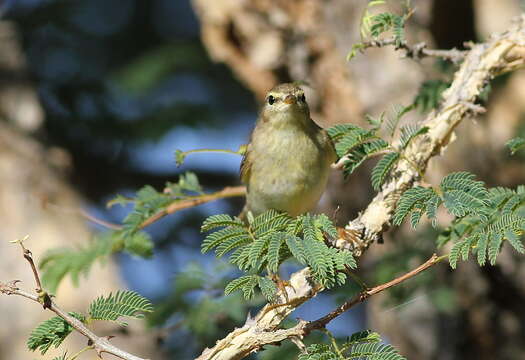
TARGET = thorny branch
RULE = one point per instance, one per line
(362, 296)
(500, 54)
(100, 344)
(416, 51)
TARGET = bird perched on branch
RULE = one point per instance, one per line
(287, 161)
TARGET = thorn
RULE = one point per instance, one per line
(475, 108)
(19, 241)
(380, 239)
(249, 319)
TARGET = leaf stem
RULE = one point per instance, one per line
(80, 352)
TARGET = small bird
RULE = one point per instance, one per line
(287, 162)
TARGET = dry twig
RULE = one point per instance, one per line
(99, 344)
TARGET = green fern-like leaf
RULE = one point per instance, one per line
(367, 18)
(357, 156)
(398, 30)
(274, 250)
(500, 195)
(235, 242)
(323, 223)
(415, 217)
(319, 352)
(387, 21)
(240, 257)
(431, 208)
(268, 288)
(138, 243)
(51, 333)
(409, 132)
(336, 132)
(364, 345)
(58, 263)
(269, 221)
(356, 145)
(296, 247)
(482, 244)
(429, 95)
(375, 351)
(463, 195)
(147, 202)
(515, 144)
(121, 304)
(396, 114)
(245, 283)
(382, 169)
(376, 122)
(352, 139)
(317, 260)
(514, 239)
(61, 357)
(505, 222)
(411, 199)
(463, 181)
(220, 220)
(512, 203)
(494, 247)
(460, 249)
(257, 249)
(217, 238)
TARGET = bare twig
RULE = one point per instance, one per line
(365, 294)
(177, 205)
(29, 257)
(81, 212)
(416, 51)
(99, 344)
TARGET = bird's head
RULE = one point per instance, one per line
(285, 103)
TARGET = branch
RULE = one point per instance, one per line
(416, 51)
(173, 207)
(251, 338)
(177, 205)
(100, 344)
(502, 53)
(322, 322)
(482, 63)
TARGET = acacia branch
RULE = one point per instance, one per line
(416, 51)
(173, 207)
(362, 296)
(177, 205)
(251, 338)
(500, 54)
(100, 344)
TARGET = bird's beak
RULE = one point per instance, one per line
(290, 99)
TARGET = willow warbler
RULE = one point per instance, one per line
(287, 161)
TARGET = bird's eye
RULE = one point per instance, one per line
(302, 98)
(271, 99)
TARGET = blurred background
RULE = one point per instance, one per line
(96, 96)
